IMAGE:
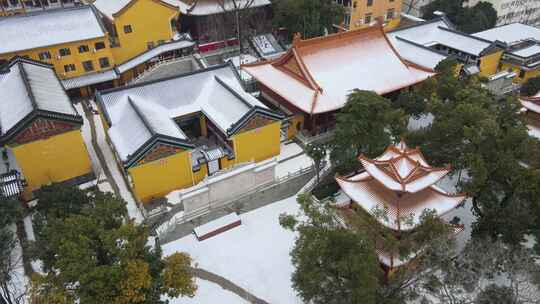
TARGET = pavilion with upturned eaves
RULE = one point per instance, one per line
(396, 188)
(531, 114)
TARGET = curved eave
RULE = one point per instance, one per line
(141, 152)
(368, 198)
(396, 183)
(8, 135)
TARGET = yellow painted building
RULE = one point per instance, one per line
(73, 40)
(138, 25)
(427, 43)
(362, 13)
(40, 129)
(521, 49)
(165, 143)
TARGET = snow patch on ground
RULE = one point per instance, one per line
(210, 293)
(87, 136)
(254, 256)
(288, 150)
(293, 165)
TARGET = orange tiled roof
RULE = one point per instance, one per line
(317, 75)
(403, 169)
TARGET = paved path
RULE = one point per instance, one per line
(109, 164)
(226, 284)
(90, 118)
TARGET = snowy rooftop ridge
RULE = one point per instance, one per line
(317, 75)
(510, 33)
(215, 92)
(50, 27)
(111, 7)
(414, 42)
(27, 87)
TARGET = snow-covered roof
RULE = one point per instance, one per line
(111, 7)
(99, 77)
(212, 7)
(397, 212)
(531, 103)
(50, 27)
(417, 53)
(510, 33)
(28, 87)
(439, 31)
(216, 92)
(527, 51)
(317, 75)
(156, 51)
(403, 169)
(89, 79)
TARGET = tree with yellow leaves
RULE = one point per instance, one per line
(96, 255)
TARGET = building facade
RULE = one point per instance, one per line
(40, 129)
(312, 81)
(429, 42)
(521, 44)
(137, 26)
(166, 143)
(363, 13)
(73, 40)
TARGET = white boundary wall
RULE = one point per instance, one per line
(225, 186)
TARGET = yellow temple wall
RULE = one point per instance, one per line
(517, 69)
(379, 8)
(56, 159)
(150, 21)
(489, 64)
(157, 178)
(257, 144)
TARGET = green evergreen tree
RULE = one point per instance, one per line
(95, 254)
(310, 18)
(367, 124)
(333, 265)
(485, 138)
(474, 19)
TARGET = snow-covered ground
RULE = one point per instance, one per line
(255, 255)
(210, 293)
(288, 150)
(133, 210)
(293, 165)
(87, 136)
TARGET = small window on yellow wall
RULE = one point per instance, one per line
(100, 45)
(88, 66)
(69, 68)
(128, 29)
(44, 55)
(390, 14)
(64, 52)
(369, 2)
(367, 19)
(83, 48)
(104, 62)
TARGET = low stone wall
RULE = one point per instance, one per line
(224, 187)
